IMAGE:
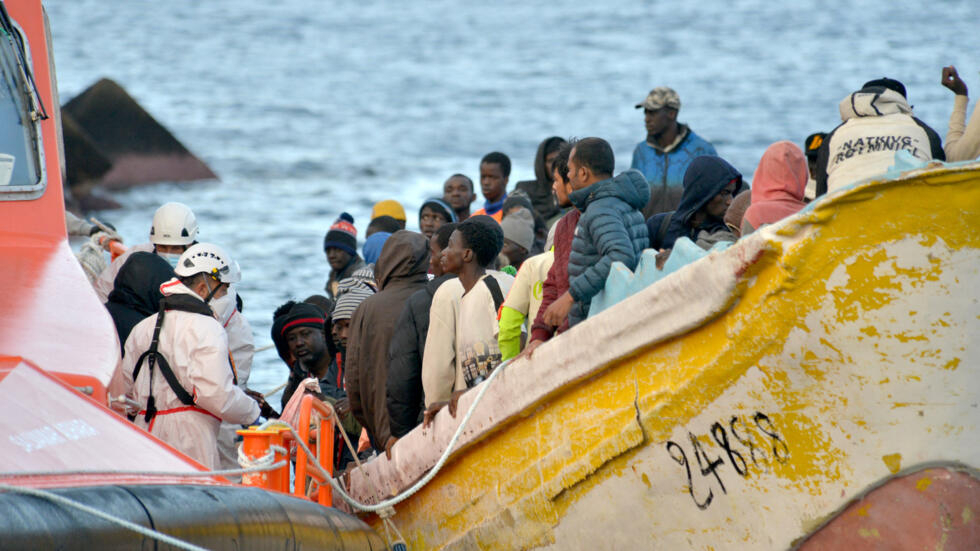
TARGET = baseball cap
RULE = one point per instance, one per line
(661, 97)
(812, 144)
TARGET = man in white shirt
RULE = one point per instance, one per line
(473, 246)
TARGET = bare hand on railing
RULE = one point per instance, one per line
(430, 413)
(529, 349)
(454, 401)
(388, 445)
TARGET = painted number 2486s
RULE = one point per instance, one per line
(737, 449)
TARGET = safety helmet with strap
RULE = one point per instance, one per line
(210, 259)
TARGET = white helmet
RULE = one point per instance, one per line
(173, 224)
(209, 259)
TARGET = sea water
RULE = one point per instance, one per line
(306, 109)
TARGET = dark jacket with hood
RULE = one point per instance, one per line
(539, 189)
(611, 228)
(705, 178)
(400, 272)
(136, 294)
(406, 400)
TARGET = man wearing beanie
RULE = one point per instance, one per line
(392, 208)
(340, 246)
(351, 292)
(433, 214)
(518, 229)
(309, 360)
(400, 271)
(300, 335)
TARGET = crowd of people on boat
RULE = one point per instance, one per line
(410, 320)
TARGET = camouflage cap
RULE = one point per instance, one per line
(661, 97)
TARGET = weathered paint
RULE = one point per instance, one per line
(806, 363)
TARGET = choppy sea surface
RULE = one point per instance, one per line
(306, 109)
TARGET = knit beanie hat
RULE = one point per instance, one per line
(518, 198)
(351, 293)
(292, 315)
(389, 207)
(342, 235)
(519, 228)
(373, 245)
(440, 206)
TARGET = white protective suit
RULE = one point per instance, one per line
(107, 279)
(241, 343)
(196, 346)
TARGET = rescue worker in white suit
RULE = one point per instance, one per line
(178, 369)
(173, 230)
(241, 345)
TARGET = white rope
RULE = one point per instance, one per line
(275, 390)
(148, 532)
(390, 503)
(264, 348)
(261, 463)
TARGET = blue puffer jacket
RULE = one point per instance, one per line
(611, 228)
(664, 169)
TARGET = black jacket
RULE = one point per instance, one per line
(706, 176)
(405, 399)
(136, 294)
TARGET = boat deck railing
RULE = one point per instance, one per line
(317, 432)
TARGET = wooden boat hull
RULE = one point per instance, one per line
(741, 402)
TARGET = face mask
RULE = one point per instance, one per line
(171, 258)
(225, 306)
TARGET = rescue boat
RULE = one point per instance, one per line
(813, 386)
(72, 472)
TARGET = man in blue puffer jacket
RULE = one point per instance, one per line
(668, 150)
(611, 228)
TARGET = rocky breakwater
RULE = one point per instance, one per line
(112, 143)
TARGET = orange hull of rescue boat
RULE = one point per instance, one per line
(49, 314)
(55, 336)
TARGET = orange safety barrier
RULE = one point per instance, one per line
(257, 444)
(324, 449)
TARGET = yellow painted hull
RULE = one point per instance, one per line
(739, 403)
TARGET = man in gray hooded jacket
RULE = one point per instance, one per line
(611, 227)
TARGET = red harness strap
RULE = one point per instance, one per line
(177, 410)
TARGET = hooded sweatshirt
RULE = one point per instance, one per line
(704, 179)
(611, 228)
(400, 272)
(539, 189)
(106, 280)
(136, 294)
(778, 185)
(878, 122)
